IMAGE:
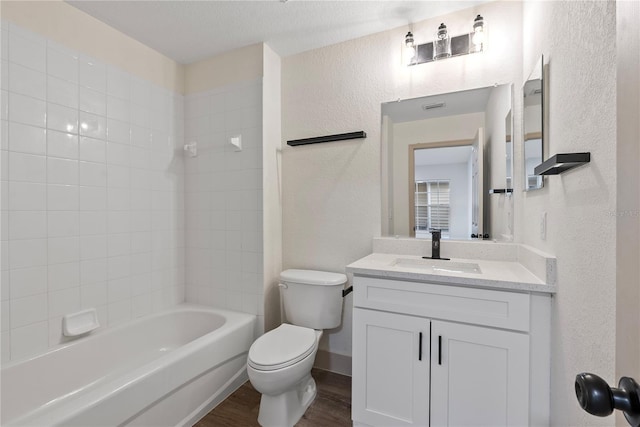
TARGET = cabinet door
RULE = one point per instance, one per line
(479, 376)
(390, 376)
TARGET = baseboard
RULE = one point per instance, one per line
(333, 362)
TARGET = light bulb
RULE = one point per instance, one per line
(478, 34)
(409, 49)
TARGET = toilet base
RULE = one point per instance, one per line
(286, 409)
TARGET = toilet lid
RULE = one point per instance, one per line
(281, 347)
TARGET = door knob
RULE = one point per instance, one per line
(597, 398)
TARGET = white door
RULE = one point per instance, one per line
(477, 183)
(479, 376)
(390, 369)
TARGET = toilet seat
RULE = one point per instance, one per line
(282, 347)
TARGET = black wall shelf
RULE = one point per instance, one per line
(328, 138)
(559, 163)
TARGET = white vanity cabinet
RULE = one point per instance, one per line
(484, 359)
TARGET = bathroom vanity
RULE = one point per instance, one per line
(450, 343)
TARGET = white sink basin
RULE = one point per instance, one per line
(438, 266)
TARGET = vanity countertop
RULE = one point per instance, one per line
(500, 275)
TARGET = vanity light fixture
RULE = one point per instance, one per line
(444, 46)
(409, 49)
(443, 43)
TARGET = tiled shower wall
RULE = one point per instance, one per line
(92, 192)
(223, 197)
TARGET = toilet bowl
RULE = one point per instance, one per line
(279, 362)
(279, 366)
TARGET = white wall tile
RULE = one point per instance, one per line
(28, 310)
(118, 131)
(61, 144)
(119, 312)
(27, 82)
(92, 101)
(27, 139)
(26, 282)
(63, 276)
(93, 126)
(118, 83)
(62, 171)
(118, 176)
(93, 174)
(93, 73)
(27, 253)
(93, 271)
(27, 196)
(63, 224)
(27, 224)
(64, 302)
(27, 110)
(93, 247)
(62, 92)
(29, 340)
(27, 52)
(92, 150)
(96, 205)
(93, 222)
(93, 198)
(27, 167)
(61, 118)
(119, 289)
(63, 249)
(62, 62)
(62, 197)
(118, 109)
(119, 154)
(93, 295)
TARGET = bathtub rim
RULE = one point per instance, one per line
(60, 408)
(92, 336)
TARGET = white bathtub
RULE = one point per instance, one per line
(166, 369)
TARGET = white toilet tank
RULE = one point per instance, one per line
(312, 299)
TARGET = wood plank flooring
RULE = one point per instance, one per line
(332, 406)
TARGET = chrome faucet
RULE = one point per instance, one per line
(435, 245)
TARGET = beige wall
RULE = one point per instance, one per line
(244, 64)
(581, 226)
(75, 29)
(331, 192)
(272, 186)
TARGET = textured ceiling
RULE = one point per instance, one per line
(189, 31)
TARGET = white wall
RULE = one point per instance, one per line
(331, 192)
(442, 129)
(92, 188)
(581, 204)
(272, 186)
(460, 198)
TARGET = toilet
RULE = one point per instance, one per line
(280, 361)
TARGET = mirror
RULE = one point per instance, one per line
(508, 126)
(436, 154)
(533, 96)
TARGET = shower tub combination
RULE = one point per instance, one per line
(166, 369)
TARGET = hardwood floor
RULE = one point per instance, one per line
(332, 406)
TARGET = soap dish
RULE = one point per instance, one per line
(79, 323)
